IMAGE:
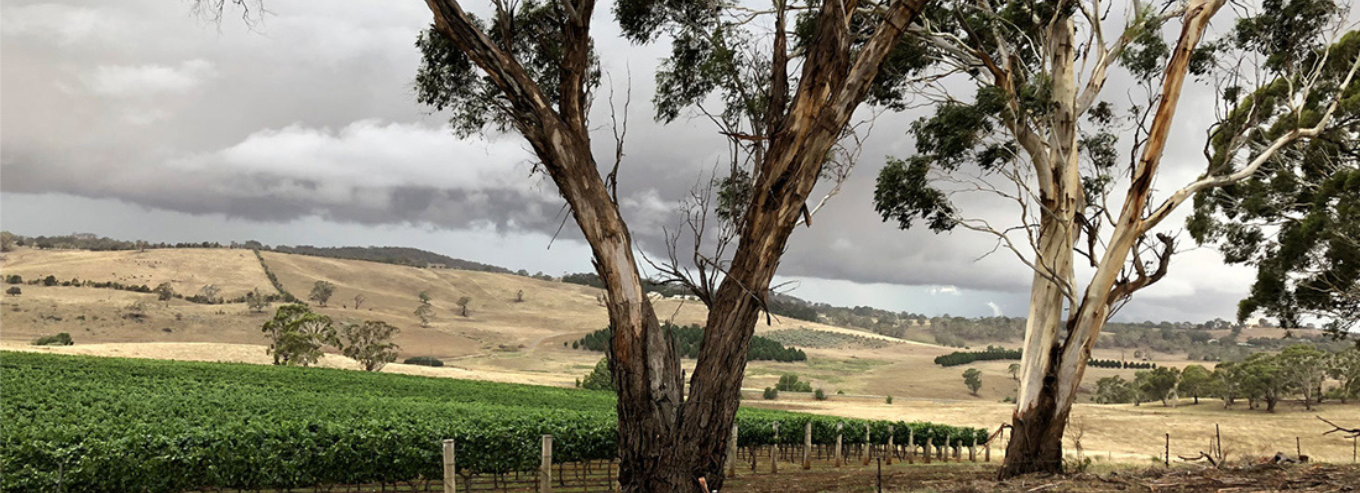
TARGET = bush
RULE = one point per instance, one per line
(599, 378)
(888, 400)
(61, 339)
(819, 395)
(424, 361)
(788, 382)
(14, 279)
(771, 393)
(14, 291)
(49, 281)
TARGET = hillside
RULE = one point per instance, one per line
(502, 338)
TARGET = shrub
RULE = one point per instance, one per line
(61, 339)
(819, 395)
(49, 281)
(887, 400)
(14, 279)
(788, 382)
(14, 291)
(770, 394)
(424, 361)
(599, 378)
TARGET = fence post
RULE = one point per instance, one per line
(732, 453)
(807, 445)
(891, 450)
(774, 450)
(972, 450)
(1167, 462)
(839, 436)
(987, 452)
(864, 451)
(450, 468)
(911, 445)
(545, 470)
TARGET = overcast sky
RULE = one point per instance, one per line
(138, 120)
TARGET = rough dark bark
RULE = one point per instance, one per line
(666, 443)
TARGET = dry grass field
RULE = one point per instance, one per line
(528, 341)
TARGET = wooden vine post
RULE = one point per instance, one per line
(545, 470)
(774, 451)
(732, 453)
(807, 445)
(450, 468)
(864, 451)
(839, 436)
(911, 445)
(972, 450)
(891, 450)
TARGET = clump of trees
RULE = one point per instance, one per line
(424, 361)
(789, 382)
(689, 339)
(298, 337)
(964, 357)
(598, 378)
(60, 339)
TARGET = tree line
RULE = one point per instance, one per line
(1262, 379)
(964, 357)
(689, 340)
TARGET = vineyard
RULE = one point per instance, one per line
(109, 424)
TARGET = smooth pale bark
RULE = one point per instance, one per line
(1053, 372)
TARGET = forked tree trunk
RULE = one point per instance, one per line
(1054, 371)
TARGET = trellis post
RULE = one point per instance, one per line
(839, 436)
(774, 450)
(732, 453)
(972, 449)
(450, 468)
(891, 450)
(911, 445)
(807, 445)
(864, 451)
(545, 470)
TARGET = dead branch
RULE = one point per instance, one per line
(1346, 432)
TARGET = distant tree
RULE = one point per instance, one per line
(1345, 368)
(820, 395)
(519, 297)
(49, 281)
(788, 382)
(463, 305)
(770, 393)
(321, 292)
(1158, 383)
(425, 310)
(1113, 390)
(359, 299)
(598, 379)
(1304, 369)
(1227, 382)
(1263, 379)
(887, 400)
(1195, 381)
(61, 339)
(297, 334)
(973, 379)
(209, 292)
(1014, 370)
(164, 293)
(14, 279)
(14, 291)
(7, 241)
(369, 343)
(256, 301)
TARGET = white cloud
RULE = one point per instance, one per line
(996, 309)
(149, 80)
(62, 23)
(950, 290)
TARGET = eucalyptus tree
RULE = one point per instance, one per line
(1297, 218)
(531, 69)
(1035, 128)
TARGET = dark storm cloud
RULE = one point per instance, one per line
(312, 115)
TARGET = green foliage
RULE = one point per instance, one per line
(273, 279)
(972, 378)
(1117, 364)
(61, 339)
(689, 340)
(820, 395)
(1297, 218)
(463, 303)
(321, 292)
(965, 357)
(813, 338)
(448, 80)
(424, 361)
(1114, 390)
(1195, 380)
(424, 310)
(887, 400)
(14, 279)
(164, 292)
(256, 301)
(599, 378)
(49, 281)
(14, 291)
(369, 343)
(1157, 384)
(789, 382)
(297, 335)
(770, 393)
